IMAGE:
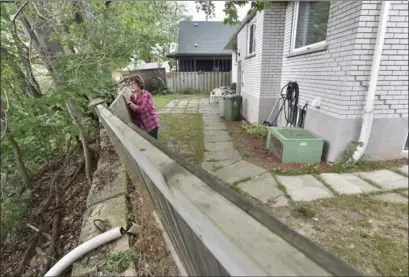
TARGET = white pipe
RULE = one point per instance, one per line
(87, 246)
(376, 62)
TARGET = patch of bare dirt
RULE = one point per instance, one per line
(71, 193)
(155, 258)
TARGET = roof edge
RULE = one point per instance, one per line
(232, 41)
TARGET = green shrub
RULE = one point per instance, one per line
(14, 207)
(258, 130)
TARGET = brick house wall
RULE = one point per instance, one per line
(261, 71)
(338, 74)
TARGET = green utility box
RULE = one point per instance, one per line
(295, 145)
(232, 105)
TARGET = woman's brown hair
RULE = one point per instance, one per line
(137, 79)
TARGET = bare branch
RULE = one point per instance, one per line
(13, 18)
(39, 14)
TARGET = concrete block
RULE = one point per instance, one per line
(109, 181)
(171, 104)
(304, 187)
(263, 187)
(239, 171)
(222, 155)
(387, 179)
(219, 146)
(347, 183)
(214, 127)
(92, 264)
(213, 166)
(391, 197)
(404, 168)
(114, 211)
(215, 133)
(220, 138)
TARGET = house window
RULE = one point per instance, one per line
(310, 24)
(252, 39)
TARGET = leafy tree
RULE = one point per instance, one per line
(54, 51)
(230, 8)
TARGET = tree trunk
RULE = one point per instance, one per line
(30, 83)
(19, 160)
(87, 152)
(16, 150)
(38, 47)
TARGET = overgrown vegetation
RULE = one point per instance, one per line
(119, 262)
(54, 51)
(257, 130)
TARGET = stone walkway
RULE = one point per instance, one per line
(223, 161)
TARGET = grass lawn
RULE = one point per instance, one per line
(183, 133)
(160, 101)
(369, 235)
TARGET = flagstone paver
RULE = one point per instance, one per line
(304, 187)
(391, 197)
(347, 183)
(387, 179)
(223, 161)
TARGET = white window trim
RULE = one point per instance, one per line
(294, 33)
(248, 38)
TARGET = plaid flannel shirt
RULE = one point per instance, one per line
(145, 117)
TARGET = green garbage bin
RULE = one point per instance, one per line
(232, 105)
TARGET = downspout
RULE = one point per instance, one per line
(376, 62)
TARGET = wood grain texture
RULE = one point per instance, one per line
(205, 219)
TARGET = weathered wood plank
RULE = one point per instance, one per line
(243, 238)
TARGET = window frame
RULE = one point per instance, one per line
(294, 32)
(252, 44)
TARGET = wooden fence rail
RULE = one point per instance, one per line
(197, 81)
(214, 230)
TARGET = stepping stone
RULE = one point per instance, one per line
(214, 123)
(211, 118)
(387, 179)
(222, 155)
(347, 183)
(171, 104)
(304, 187)
(216, 127)
(391, 197)
(263, 187)
(239, 171)
(215, 133)
(219, 138)
(404, 169)
(214, 166)
(219, 146)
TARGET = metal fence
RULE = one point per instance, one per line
(197, 81)
(214, 230)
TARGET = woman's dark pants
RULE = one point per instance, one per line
(154, 132)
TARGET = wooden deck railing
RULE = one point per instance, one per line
(214, 230)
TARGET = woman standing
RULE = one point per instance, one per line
(142, 109)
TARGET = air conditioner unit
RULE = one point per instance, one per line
(295, 145)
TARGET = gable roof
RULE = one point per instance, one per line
(204, 37)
